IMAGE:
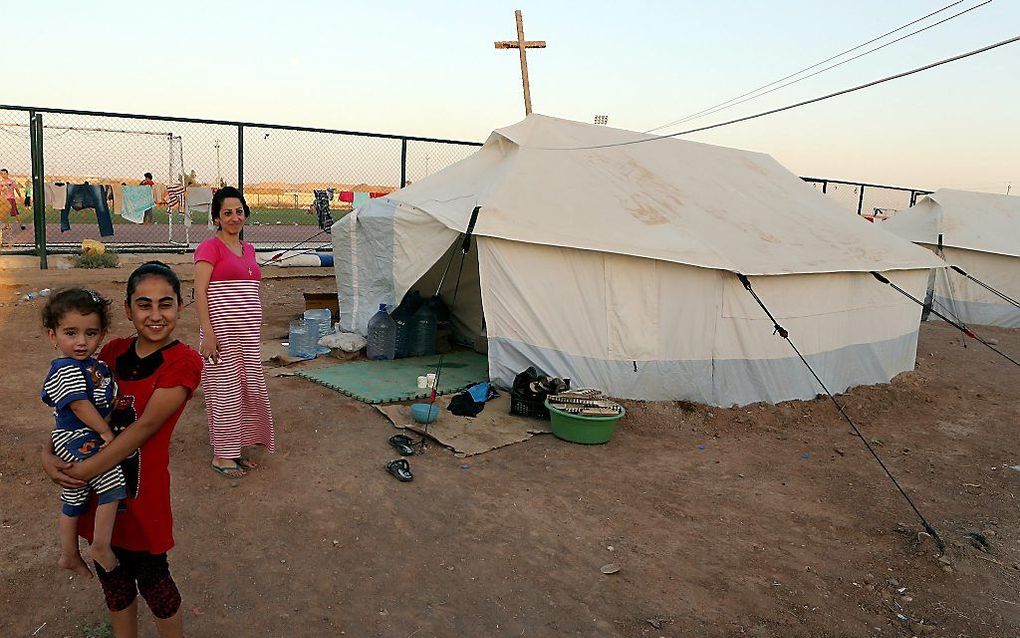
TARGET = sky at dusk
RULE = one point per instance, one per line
(430, 69)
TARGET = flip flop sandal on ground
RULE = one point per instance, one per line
(229, 468)
(401, 469)
(403, 444)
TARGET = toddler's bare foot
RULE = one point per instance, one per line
(75, 563)
(105, 557)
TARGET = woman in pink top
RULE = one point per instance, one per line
(230, 313)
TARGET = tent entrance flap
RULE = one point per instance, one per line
(466, 317)
(381, 251)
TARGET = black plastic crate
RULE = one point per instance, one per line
(528, 407)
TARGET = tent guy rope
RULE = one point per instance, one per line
(465, 248)
(995, 292)
(785, 334)
(959, 325)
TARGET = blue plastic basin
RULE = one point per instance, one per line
(420, 412)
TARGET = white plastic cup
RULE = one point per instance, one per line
(423, 382)
(430, 380)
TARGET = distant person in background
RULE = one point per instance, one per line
(227, 279)
(9, 191)
(147, 215)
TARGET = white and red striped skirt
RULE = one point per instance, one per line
(236, 398)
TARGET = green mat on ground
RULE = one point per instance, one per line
(389, 381)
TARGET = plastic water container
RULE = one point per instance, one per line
(403, 342)
(302, 339)
(321, 318)
(403, 316)
(324, 318)
(382, 336)
(423, 333)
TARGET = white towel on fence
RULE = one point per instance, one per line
(55, 195)
(199, 200)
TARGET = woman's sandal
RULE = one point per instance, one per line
(229, 468)
(401, 469)
(403, 444)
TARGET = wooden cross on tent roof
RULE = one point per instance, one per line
(522, 45)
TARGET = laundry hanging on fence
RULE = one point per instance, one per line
(322, 200)
(136, 200)
(360, 199)
(199, 200)
(55, 194)
(159, 193)
(111, 201)
(347, 196)
(81, 197)
(175, 194)
(118, 198)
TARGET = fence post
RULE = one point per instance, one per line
(403, 162)
(35, 135)
(860, 200)
(240, 158)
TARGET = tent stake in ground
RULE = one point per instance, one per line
(784, 334)
(522, 45)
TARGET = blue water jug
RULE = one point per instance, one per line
(423, 333)
(382, 336)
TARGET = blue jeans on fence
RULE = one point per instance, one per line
(81, 196)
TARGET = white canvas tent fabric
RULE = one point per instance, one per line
(615, 267)
(980, 233)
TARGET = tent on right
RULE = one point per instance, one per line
(980, 233)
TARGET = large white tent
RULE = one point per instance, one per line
(615, 266)
(980, 233)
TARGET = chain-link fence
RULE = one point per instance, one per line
(145, 183)
(869, 200)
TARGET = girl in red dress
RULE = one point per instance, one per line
(157, 375)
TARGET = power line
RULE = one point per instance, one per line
(654, 138)
(838, 55)
(718, 108)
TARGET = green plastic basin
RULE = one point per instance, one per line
(590, 430)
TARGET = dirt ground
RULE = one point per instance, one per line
(757, 521)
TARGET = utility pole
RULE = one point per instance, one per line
(522, 45)
(219, 180)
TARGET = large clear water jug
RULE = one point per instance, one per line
(382, 336)
(402, 319)
(423, 333)
(403, 316)
(322, 319)
(302, 339)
